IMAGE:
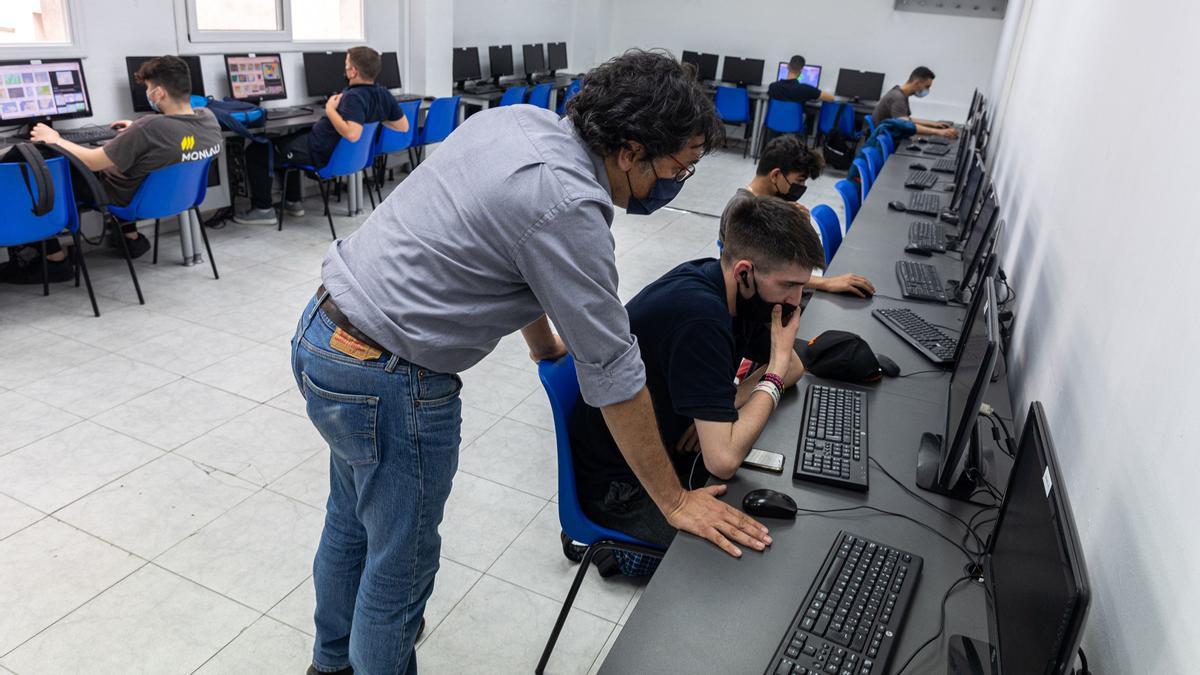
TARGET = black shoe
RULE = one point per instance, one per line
(137, 247)
(312, 670)
(574, 552)
(29, 273)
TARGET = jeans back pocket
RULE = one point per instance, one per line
(347, 422)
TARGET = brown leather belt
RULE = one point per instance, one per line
(335, 315)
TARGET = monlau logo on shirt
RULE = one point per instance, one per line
(187, 143)
(190, 154)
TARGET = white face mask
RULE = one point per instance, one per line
(922, 94)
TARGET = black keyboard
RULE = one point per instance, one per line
(926, 338)
(921, 180)
(945, 166)
(927, 235)
(832, 448)
(287, 113)
(90, 134)
(850, 620)
(920, 281)
(483, 89)
(937, 140)
(925, 202)
(934, 149)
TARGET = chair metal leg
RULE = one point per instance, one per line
(128, 258)
(282, 198)
(325, 190)
(154, 260)
(45, 269)
(80, 265)
(207, 249)
(367, 183)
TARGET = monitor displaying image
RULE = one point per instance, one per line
(43, 89)
(255, 77)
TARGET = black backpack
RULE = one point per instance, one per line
(35, 174)
(839, 150)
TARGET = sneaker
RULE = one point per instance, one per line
(28, 273)
(256, 217)
(137, 247)
(294, 208)
(312, 670)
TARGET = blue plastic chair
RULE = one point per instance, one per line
(886, 144)
(831, 232)
(851, 198)
(348, 158)
(874, 160)
(540, 95)
(572, 89)
(388, 141)
(870, 125)
(783, 117)
(440, 120)
(164, 193)
(827, 117)
(19, 226)
(733, 107)
(865, 176)
(562, 388)
(512, 96)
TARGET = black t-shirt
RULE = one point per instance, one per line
(361, 103)
(691, 347)
(793, 90)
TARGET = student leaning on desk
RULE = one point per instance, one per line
(179, 134)
(894, 104)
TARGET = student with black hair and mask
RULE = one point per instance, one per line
(784, 168)
(894, 105)
(694, 325)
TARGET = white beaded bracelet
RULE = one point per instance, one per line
(772, 389)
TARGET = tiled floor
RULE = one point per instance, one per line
(161, 491)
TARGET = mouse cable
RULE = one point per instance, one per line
(970, 558)
(941, 623)
(1009, 442)
(922, 372)
(976, 529)
(1083, 663)
(921, 499)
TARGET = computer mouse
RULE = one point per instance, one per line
(922, 140)
(917, 166)
(912, 146)
(913, 248)
(887, 365)
(897, 205)
(766, 503)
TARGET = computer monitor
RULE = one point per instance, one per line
(781, 72)
(862, 85)
(556, 56)
(810, 75)
(974, 235)
(137, 92)
(1034, 574)
(43, 90)
(961, 155)
(255, 77)
(742, 72)
(534, 57)
(966, 194)
(976, 104)
(324, 72)
(465, 65)
(951, 463)
(500, 58)
(706, 64)
(389, 74)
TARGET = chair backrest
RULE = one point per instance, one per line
(850, 198)
(18, 225)
(827, 117)
(874, 160)
(845, 121)
(786, 117)
(512, 96)
(831, 231)
(350, 158)
(562, 388)
(540, 95)
(440, 120)
(571, 91)
(864, 175)
(733, 104)
(870, 124)
(389, 141)
(886, 145)
(167, 192)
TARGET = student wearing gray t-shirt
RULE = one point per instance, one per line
(894, 104)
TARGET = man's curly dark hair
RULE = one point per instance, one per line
(643, 96)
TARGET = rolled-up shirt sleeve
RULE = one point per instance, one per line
(570, 265)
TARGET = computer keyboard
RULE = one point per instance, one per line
(945, 166)
(921, 180)
(927, 235)
(832, 448)
(937, 140)
(920, 281)
(89, 134)
(926, 338)
(935, 149)
(925, 202)
(851, 617)
(286, 113)
(483, 89)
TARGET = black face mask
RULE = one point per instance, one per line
(794, 193)
(756, 309)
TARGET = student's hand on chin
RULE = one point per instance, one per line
(783, 336)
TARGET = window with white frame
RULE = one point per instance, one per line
(333, 20)
(40, 22)
(238, 15)
(274, 20)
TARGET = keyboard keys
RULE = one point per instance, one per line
(832, 448)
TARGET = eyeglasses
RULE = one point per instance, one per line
(685, 171)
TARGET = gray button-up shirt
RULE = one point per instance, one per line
(508, 219)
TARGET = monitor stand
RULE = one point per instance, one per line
(968, 656)
(929, 462)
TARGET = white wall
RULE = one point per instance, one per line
(861, 34)
(1101, 247)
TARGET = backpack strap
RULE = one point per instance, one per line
(33, 168)
(80, 172)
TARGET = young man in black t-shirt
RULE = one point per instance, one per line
(360, 103)
(792, 89)
(694, 325)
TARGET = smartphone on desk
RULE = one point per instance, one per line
(764, 459)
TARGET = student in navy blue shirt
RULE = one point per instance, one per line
(792, 89)
(694, 325)
(345, 114)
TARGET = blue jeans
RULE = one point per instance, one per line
(393, 430)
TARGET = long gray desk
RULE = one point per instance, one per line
(705, 612)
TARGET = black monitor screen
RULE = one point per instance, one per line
(968, 384)
(324, 72)
(968, 195)
(255, 77)
(861, 84)
(960, 159)
(980, 232)
(137, 92)
(706, 64)
(466, 64)
(1036, 578)
(500, 59)
(535, 58)
(389, 74)
(43, 90)
(742, 71)
(556, 55)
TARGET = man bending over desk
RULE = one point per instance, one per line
(143, 146)
(894, 104)
(362, 102)
(694, 325)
